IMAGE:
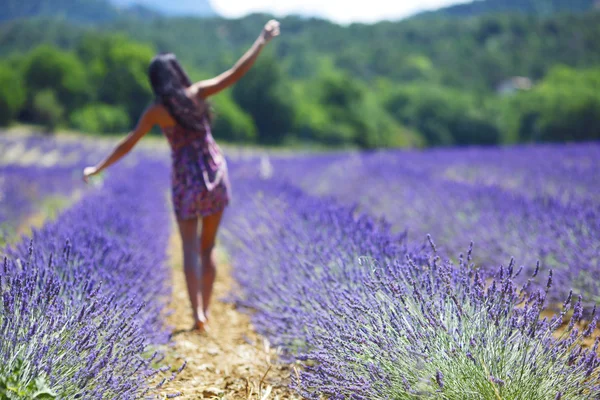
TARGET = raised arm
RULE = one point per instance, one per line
(148, 119)
(215, 85)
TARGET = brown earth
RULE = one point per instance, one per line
(231, 361)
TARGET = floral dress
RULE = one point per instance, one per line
(200, 182)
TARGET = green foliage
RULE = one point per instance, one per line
(564, 106)
(102, 86)
(12, 94)
(47, 109)
(342, 98)
(181, 7)
(59, 71)
(416, 68)
(12, 388)
(473, 54)
(22, 36)
(325, 111)
(338, 110)
(231, 122)
(381, 129)
(263, 94)
(322, 82)
(534, 7)
(118, 67)
(444, 116)
(100, 118)
(78, 11)
(313, 123)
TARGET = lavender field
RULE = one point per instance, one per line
(35, 168)
(84, 296)
(451, 274)
(445, 274)
(530, 203)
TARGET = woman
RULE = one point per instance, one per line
(200, 184)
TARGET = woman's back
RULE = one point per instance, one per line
(187, 124)
(198, 161)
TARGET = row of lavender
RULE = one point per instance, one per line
(374, 317)
(83, 299)
(25, 189)
(533, 203)
(33, 168)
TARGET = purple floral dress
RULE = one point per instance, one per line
(200, 182)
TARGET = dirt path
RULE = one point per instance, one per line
(229, 362)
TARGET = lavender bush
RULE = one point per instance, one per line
(401, 323)
(295, 237)
(32, 169)
(48, 151)
(82, 305)
(23, 189)
(533, 203)
(435, 331)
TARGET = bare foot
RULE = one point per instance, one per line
(202, 327)
(201, 324)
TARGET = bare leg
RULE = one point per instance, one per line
(188, 229)
(210, 226)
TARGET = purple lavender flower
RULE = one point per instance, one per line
(407, 308)
(88, 339)
(439, 378)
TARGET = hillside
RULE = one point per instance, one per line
(478, 55)
(419, 81)
(182, 7)
(109, 10)
(75, 11)
(529, 7)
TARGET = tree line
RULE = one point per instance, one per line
(420, 82)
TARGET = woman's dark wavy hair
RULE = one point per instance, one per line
(169, 83)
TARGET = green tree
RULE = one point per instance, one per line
(47, 109)
(443, 116)
(12, 94)
(126, 81)
(416, 68)
(381, 129)
(312, 122)
(49, 68)
(445, 70)
(324, 109)
(118, 68)
(75, 10)
(231, 122)
(100, 118)
(341, 110)
(263, 94)
(564, 106)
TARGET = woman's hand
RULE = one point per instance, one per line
(89, 171)
(212, 86)
(149, 118)
(270, 30)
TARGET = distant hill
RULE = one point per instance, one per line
(100, 11)
(73, 10)
(530, 7)
(170, 7)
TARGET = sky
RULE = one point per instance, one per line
(340, 11)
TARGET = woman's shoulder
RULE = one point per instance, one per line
(156, 108)
(159, 114)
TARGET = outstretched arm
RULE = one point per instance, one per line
(146, 122)
(215, 85)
